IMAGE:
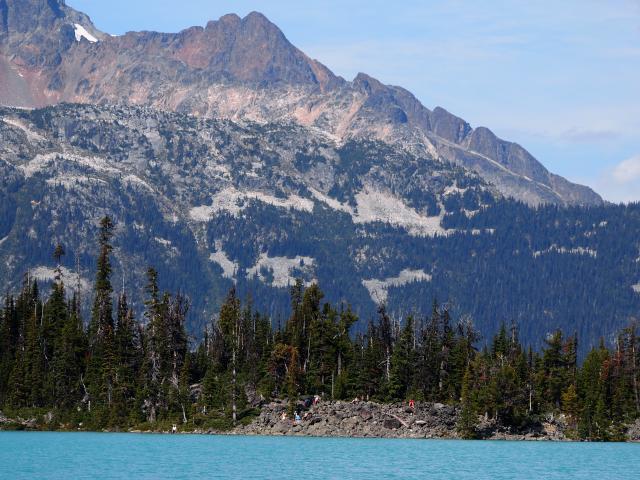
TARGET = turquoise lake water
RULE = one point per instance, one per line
(128, 456)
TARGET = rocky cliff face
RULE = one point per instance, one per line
(245, 69)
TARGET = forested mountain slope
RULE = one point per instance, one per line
(211, 202)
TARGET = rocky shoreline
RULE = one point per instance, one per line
(363, 419)
(374, 420)
(398, 420)
(17, 423)
(368, 420)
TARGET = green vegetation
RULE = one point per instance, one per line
(119, 372)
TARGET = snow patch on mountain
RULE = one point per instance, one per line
(377, 206)
(331, 202)
(567, 251)
(43, 163)
(284, 270)
(234, 201)
(82, 32)
(229, 267)
(135, 180)
(31, 135)
(294, 202)
(374, 205)
(38, 164)
(168, 245)
(70, 279)
(453, 190)
(636, 287)
(71, 182)
(202, 213)
(2, 240)
(379, 289)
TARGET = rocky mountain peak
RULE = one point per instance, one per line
(250, 51)
(37, 32)
(253, 49)
(23, 18)
(368, 84)
(231, 20)
(448, 126)
(255, 24)
(257, 19)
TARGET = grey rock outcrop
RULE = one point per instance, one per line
(633, 431)
(426, 420)
(362, 419)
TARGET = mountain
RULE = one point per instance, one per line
(227, 156)
(181, 190)
(246, 69)
(211, 202)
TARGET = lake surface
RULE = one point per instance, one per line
(125, 456)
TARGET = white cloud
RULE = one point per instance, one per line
(612, 191)
(620, 183)
(579, 135)
(628, 170)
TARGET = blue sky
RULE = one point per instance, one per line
(560, 78)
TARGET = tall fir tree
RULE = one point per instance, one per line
(102, 362)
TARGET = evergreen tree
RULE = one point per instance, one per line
(128, 352)
(69, 362)
(102, 361)
(9, 344)
(553, 378)
(468, 417)
(403, 363)
(592, 389)
(154, 367)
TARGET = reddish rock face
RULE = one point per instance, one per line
(39, 39)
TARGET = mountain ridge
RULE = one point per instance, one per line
(245, 68)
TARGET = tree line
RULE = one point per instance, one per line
(118, 371)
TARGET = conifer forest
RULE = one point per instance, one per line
(115, 371)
